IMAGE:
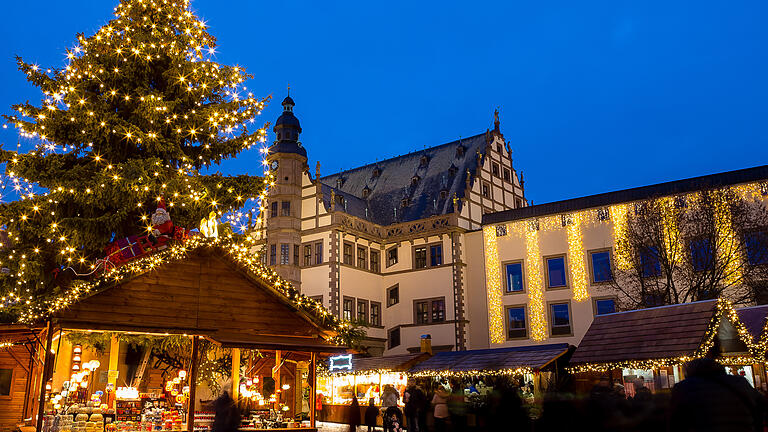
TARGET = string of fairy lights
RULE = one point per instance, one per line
(531, 230)
(208, 117)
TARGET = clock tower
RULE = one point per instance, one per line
(287, 161)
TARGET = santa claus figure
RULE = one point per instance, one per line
(162, 227)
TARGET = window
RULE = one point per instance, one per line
(393, 338)
(459, 151)
(701, 254)
(285, 253)
(348, 253)
(518, 203)
(366, 192)
(272, 254)
(649, 261)
(339, 200)
(285, 208)
(362, 255)
(603, 214)
(517, 327)
(507, 175)
(498, 148)
(362, 311)
(486, 190)
(375, 261)
(429, 311)
(514, 277)
(756, 244)
(601, 266)
(443, 194)
(6, 378)
(436, 255)
(561, 318)
(420, 257)
(273, 209)
(319, 253)
(348, 306)
(605, 306)
(393, 295)
(392, 257)
(375, 314)
(296, 254)
(556, 272)
(423, 161)
(307, 255)
(495, 169)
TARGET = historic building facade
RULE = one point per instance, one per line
(548, 269)
(385, 243)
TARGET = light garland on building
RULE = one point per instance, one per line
(535, 280)
(618, 215)
(493, 286)
(576, 258)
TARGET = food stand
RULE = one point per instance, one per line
(648, 347)
(206, 291)
(364, 377)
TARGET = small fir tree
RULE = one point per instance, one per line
(137, 111)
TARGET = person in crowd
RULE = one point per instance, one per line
(506, 410)
(227, 417)
(440, 404)
(354, 414)
(389, 396)
(709, 400)
(371, 415)
(457, 407)
(393, 419)
(410, 410)
(422, 406)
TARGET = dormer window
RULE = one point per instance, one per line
(339, 182)
(376, 172)
(460, 151)
(452, 170)
(443, 194)
(415, 180)
(366, 192)
(339, 199)
(405, 202)
(423, 161)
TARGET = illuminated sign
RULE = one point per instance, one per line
(342, 362)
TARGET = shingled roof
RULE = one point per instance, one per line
(665, 332)
(376, 192)
(754, 319)
(491, 360)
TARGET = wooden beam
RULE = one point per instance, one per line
(22, 365)
(192, 385)
(313, 388)
(28, 385)
(236, 374)
(114, 359)
(44, 380)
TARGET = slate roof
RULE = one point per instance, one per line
(396, 363)
(646, 334)
(729, 178)
(496, 359)
(753, 319)
(383, 204)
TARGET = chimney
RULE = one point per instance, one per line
(426, 344)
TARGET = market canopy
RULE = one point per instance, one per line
(515, 360)
(663, 335)
(203, 288)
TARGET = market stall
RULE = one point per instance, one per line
(203, 294)
(364, 377)
(755, 320)
(648, 347)
(21, 360)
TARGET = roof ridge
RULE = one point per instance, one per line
(658, 307)
(400, 156)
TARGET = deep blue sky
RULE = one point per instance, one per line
(594, 96)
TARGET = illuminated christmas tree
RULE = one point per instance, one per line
(137, 111)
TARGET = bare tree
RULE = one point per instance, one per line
(695, 247)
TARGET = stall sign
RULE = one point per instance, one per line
(341, 362)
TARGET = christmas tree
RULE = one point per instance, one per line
(139, 110)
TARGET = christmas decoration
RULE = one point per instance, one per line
(136, 112)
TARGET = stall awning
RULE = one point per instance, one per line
(668, 334)
(393, 363)
(492, 361)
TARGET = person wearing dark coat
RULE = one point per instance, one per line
(371, 414)
(354, 414)
(227, 418)
(709, 400)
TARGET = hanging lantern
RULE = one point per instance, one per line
(78, 349)
(75, 367)
(76, 358)
(182, 374)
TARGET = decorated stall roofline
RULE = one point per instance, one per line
(473, 373)
(660, 363)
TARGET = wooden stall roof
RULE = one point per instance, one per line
(205, 293)
(496, 359)
(646, 334)
(754, 319)
(394, 363)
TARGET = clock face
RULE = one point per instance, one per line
(274, 165)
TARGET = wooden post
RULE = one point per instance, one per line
(114, 359)
(313, 389)
(236, 374)
(28, 385)
(276, 377)
(192, 377)
(44, 380)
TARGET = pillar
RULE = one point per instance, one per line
(114, 359)
(236, 374)
(313, 388)
(44, 380)
(192, 385)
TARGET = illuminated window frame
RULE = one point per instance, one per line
(505, 285)
(591, 268)
(547, 286)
